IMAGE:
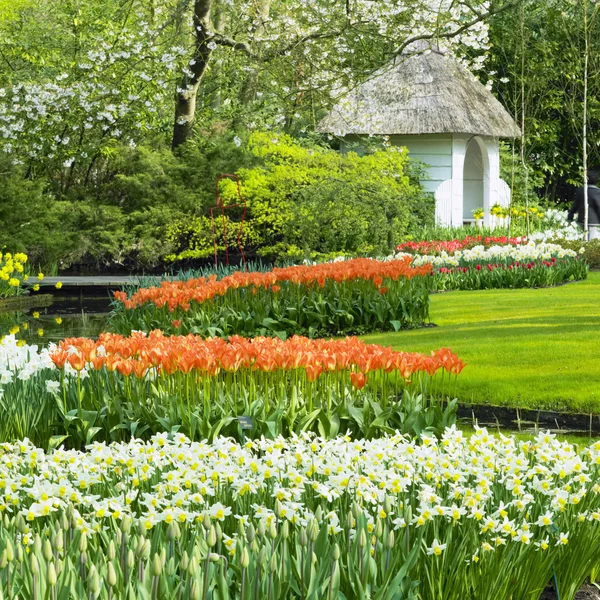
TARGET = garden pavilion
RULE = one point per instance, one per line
(428, 102)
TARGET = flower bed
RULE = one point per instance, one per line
(478, 517)
(507, 266)
(203, 386)
(355, 296)
(115, 387)
(436, 247)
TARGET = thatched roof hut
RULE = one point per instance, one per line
(431, 104)
(424, 92)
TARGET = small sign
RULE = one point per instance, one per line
(245, 422)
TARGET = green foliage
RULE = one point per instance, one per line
(591, 250)
(306, 201)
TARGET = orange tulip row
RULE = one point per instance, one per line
(174, 294)
(140, 352)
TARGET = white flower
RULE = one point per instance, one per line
(52, 386)
(436, 548)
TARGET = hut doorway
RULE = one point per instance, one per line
(475, 176)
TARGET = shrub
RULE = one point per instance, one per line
(305, 201)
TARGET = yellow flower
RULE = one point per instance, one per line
(36, 287)
(14, 282)
(36, 314)
(14, 330)
(25, 277)
(40, 276)
(58, 320)
(40, 332)
(58, 285)
(21, 343)
(25, 325)
(22, 258)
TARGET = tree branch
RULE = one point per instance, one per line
(452, 34)
(223, 40)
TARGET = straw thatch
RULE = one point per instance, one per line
(424, 92)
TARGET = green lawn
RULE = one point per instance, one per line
(535, 348)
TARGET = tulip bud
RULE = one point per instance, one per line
(10, 551)
(356, 510)
(171, 568)
(285, 530)
(261, 529)
(362, 538)
(163, 556)
(302, 538)
(83, 542)
(250, 533)
(219, 531)
(3, 559)
(278, 508)
(34, 565)
(83, 558)
(94, 581)
(387, 505)
(185, 561)
(211, 540)
(156, 565)
(59, 542)
(196, 591)
(273, 563)
(48, 554)
(20, 556)
(319, 513)
(206, 521)
(130, 559)
(272, 530)
(139, 549)
(111, 575)
(350, 521)
(170, 532)
(126, 523)
(21, 525)
(245, 558)
(51, 574)
(262, 555)
(6, 521)
(378, 528)
(313, 530)
(214, 557)
(314, 559)
(336, 553)
(391, 540)
(112, 550)
(64, 522)
(37, 543)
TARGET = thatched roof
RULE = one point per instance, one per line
(423, 92)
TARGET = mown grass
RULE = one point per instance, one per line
(532, 348)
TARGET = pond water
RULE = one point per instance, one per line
(61, 317)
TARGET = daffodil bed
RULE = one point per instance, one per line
(476, 517)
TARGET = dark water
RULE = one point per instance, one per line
(65, 316)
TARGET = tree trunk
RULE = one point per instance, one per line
(185, 106)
